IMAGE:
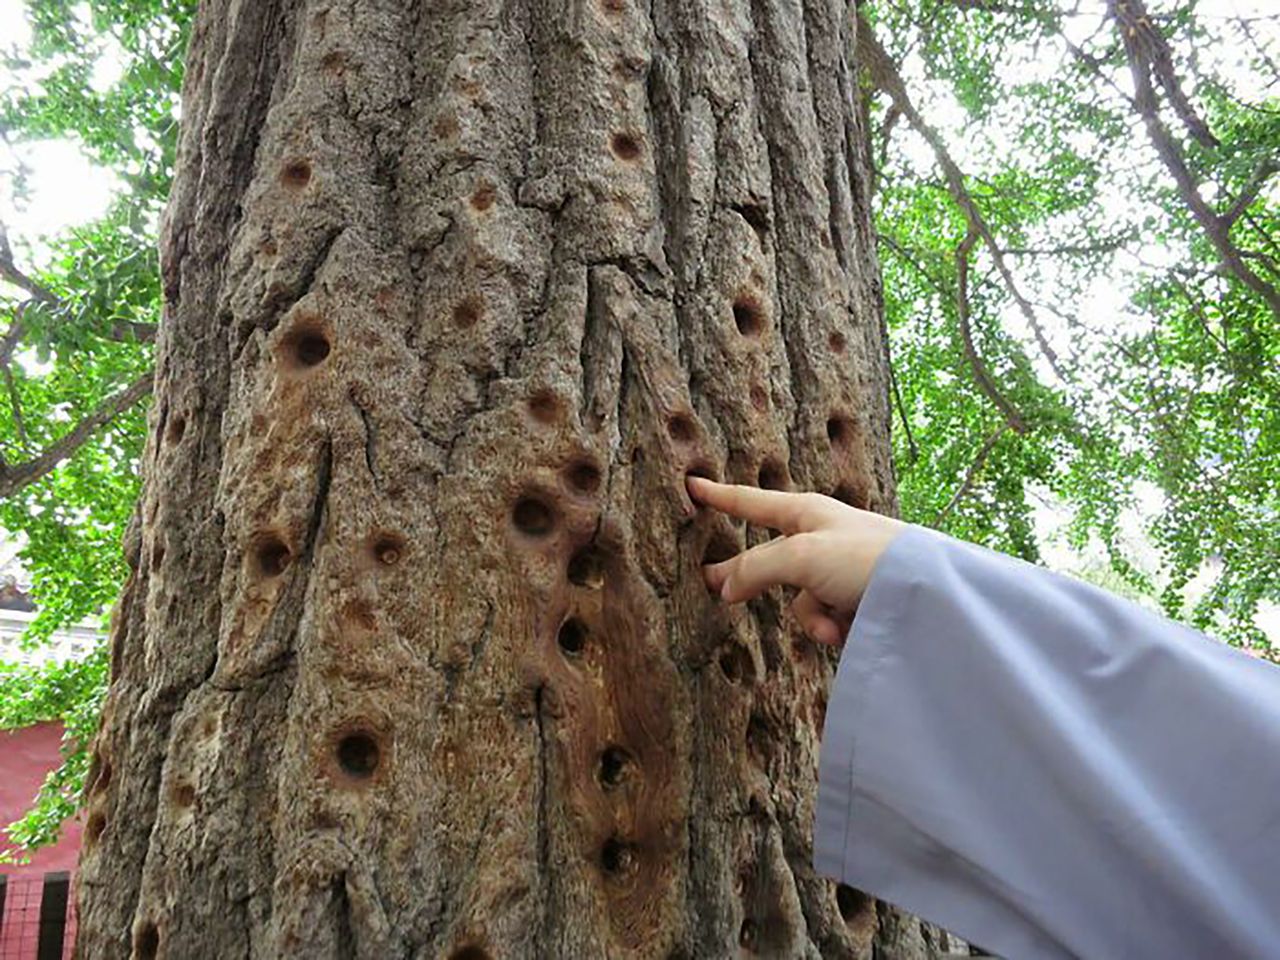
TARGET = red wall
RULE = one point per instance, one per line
(25, 757)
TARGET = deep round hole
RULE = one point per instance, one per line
(836, 342)
(682, 429)
(93, 829)
(851, 901)
(772, 476)
(616, 857)
(147, 942)
(840, 431)
(296, 174)
(466, 313)
(614, 762)
(572, 637)
(272, 556)
(311, 349)
(584, 477)
(625, 146)
(545, 406)
(748, 316)
(532, 517)
(358, 755)
(586, 569)
(736, 665)
(388, 549)
(748, 937)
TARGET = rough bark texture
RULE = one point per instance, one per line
(416, 660)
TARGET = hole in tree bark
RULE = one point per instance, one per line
(625, 146)
(184, 794)
(483, 197)
(358, 754)
(583, 477)
(772, 476)
(296, 174)
(533, 517)
(271, 555)
(470, 952)
(96, 824)
(614, 763)
(572, 637)
(737, 666)
(617, 858)
(759, 398)
(853, 903)
(682, 429)
(545, 406)
(467, 312)
(306, 345)
(836, 342)
(748, 316)
(157, 556)
(586, 569)
(146, 941)
(748, 936)
(846, 493)
(388, 549)
(840, 431)
(721, 547)
(177, 428)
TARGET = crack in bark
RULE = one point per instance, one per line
(370, 437)
(284, 300)
(543, 825)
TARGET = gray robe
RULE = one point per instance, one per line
(1048, 770)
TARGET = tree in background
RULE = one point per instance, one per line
(1024, 154)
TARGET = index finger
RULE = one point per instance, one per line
(787, 512)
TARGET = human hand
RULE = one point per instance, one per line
(828, 550)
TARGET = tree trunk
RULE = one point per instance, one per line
(416, 659)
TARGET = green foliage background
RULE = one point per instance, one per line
(1167, 373)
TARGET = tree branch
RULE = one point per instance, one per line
(886, 77)
(1251, 190)
(16, 476)
(18, 421)
(971, 475)
(1129, 16)
(123, 331)
(980, 373)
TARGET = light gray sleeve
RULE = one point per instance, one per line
(1048, 770)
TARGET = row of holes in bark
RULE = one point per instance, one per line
(272, 556)
(748, 315)
(851, 903)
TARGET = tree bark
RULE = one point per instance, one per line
(416, 659)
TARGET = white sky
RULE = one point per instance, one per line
(66, 189)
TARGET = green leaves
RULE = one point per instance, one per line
(1171, 365)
